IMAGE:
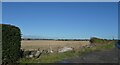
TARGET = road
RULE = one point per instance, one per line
(106, 56)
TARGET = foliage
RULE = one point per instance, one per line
(98, 40)
(11, 43)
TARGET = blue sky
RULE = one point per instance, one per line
(63, 19)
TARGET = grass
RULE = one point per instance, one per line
(51, 58)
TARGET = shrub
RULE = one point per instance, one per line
(11, 43)
(97, 40)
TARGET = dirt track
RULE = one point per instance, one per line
(106, 56)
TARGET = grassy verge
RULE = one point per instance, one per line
(51, 58)
(99, 48)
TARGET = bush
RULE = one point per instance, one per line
(11, 43)
(97, 40)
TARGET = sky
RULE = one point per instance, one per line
(69, 20)
(60, 0)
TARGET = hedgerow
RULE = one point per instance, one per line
(11, 43)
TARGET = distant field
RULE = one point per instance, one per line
(46, 44)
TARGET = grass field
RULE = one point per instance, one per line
(46, 44)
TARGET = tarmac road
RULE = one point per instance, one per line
(106, 56)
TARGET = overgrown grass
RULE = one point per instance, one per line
(99, 48)
(50, 58)
(54, 57)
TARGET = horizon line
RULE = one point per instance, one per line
(43, 37)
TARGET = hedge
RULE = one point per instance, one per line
(97, 40)
(11, 43)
